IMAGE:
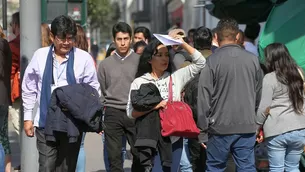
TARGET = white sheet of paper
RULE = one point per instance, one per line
(167, 40)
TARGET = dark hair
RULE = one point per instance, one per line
(144, 65)
(252, 30)
(278, 60)
(81, 39)
(16, 19)
(191, 31)
(264, 69)
(111, 48)
(139, 44)
(213, 32)
(63, 25)
(145, 31)
(227, 29)
(202, 38)
(121, 27)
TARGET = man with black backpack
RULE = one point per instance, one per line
(202, 41)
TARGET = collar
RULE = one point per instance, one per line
(149, 77)
(230, 45)
(248, 43)
(123, 58)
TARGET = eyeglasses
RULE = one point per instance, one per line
(68, 39)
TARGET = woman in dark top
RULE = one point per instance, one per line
(5, 101)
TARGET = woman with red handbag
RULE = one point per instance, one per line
(155, 67)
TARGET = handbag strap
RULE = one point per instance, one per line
(301, 73)
(302, 76)
(170, 89)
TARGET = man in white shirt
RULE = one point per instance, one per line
(251, 33)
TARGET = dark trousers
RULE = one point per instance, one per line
(177, 148)
(197, 155)
(59, 156)
(241, 147)
(117, 124)
(164, 147)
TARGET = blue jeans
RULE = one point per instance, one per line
(106, 162)
(81, 160)
(284, 151)
(2, 159)
(185, 165)
(241, 147)
(176, 157)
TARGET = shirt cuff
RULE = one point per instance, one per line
(260, 119)
(28, 116)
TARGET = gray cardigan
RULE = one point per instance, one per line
(282, 117)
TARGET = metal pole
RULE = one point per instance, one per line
(4, 14)
(30, 41)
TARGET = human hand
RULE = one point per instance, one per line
(204, 145)
(180, 38)
(267, 111)
(28, 128)
(260, 136)
(162, 104)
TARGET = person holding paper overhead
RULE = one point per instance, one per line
(155, 67)
(178, 54)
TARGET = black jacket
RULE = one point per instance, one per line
(190, 95)
(5, 77)
(148, 126)
(5, 72)
(73, 109)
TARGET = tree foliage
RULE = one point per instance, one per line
(103, 13)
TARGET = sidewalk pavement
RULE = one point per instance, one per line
(93, 148)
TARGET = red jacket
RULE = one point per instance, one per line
(15, 48)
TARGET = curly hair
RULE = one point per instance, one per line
(227, 29)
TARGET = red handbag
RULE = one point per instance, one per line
(177, 118)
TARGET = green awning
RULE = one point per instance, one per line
(286, 24)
